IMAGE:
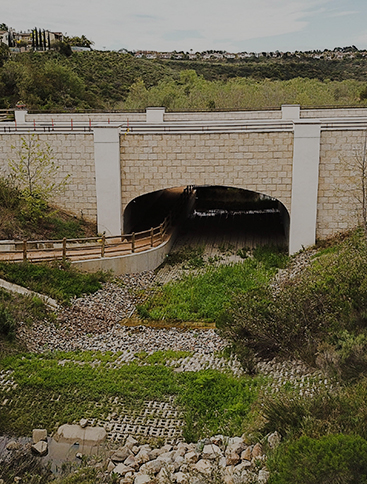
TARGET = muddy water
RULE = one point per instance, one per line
(60, 455)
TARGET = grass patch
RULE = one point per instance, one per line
(59, 282)
(56, 393)
(205, 296)
(191, 257)
(161, 357)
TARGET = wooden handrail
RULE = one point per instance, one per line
(102, 246)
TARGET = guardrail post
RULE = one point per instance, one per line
(24, 250)
(64, 249)
(103, 245)
(151, 237)
(133, 242)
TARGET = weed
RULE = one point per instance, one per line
(191, 256)
(332, 458)
(212, 401)
(243, 253)
(57, 281)
(204, 297)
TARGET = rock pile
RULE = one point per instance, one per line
(228, 459)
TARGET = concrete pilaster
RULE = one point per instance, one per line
(305, 178)
(155, 115)
(108, 180)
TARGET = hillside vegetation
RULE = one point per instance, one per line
(96, 80)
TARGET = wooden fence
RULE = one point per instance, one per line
(93, 247)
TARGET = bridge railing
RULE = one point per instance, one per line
(93, 247)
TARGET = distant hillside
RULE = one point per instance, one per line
(98, 80)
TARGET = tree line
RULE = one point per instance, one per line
(65, 81)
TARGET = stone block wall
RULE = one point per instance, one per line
(261, 162)
(85, 117)
(333, 113)
(74, 154)
(339, 181)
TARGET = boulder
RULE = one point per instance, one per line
(40, 448)
(236, 446)
(122, 469)
(178, 461)
(13, 445)
(181, 478)
(39, 434)
(142, 456)
(203, 466)
(274, 440)
(263, 476)
(191, 458)
(232, 459)
(242, 468)
(246, 454)
(152, 467)
(131, 442)
(211, 451)
(167, 457)
(131, 462)
(83, 422)
(121, 454)
(142, 479)
(257, 451)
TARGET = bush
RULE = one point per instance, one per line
(325, 301)
(340, 410)
(7, 324)
(338, 459)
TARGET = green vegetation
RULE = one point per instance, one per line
(59, 282)
(333, 458)
(30, 217)
(207, 295)
(211, 401)
(194, 93)
(319, 316)
(66, 81)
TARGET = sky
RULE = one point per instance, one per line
(198, 25)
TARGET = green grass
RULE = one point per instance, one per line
(205, 296)
(59, 282)
(53, 394)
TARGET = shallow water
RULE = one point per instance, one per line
(60, 455)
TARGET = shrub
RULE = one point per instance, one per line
(338, 459)
(327, 299)
(7, 324)
(340, 410)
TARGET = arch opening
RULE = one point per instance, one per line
(217, 215)
(236, 217)
(150, 210)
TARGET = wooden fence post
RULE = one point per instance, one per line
(24, 250)
(103, 245)
(133, 242)
(64, 249)
(151, 237)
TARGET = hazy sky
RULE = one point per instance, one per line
(231, 25)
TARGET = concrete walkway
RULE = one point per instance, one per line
(10, 287)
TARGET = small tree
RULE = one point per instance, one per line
(34, 173)
(355, 174)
